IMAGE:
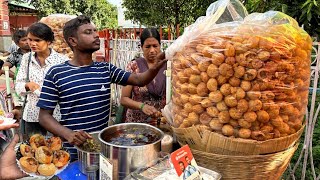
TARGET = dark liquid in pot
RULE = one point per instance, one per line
(132, 137)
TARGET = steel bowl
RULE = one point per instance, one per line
(127, 159)
(88, 159)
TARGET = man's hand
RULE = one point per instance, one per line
(32, 86)
(17, 113)
(160, 60)
(141, 79)
(78, 138)
(8, 165)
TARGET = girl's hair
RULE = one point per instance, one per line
(41, 31)
(149, 32)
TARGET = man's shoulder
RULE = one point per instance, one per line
(17, 52)
(100, 64)
(107, 65)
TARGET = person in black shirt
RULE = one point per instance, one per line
(20, 38)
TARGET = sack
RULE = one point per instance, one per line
(239, 75)
(56, 22)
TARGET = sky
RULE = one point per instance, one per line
(115, 2)
(121, 19)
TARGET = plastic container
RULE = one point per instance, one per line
(163, 170)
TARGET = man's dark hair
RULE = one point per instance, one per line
(180, 162)
(71, 27)
(1, 63)
(41, 31)
(18, 34)
(149, 32)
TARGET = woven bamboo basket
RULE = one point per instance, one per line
(254, 167)
(212, 142)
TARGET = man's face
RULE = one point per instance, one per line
(87, 38)
(23, 43)
(188, 160)
(181, 166)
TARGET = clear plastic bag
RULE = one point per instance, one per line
(241, 75)
(56, 22)
(222, 11)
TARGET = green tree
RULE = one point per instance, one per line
(306, 12)
(165, 12)
(103, 14)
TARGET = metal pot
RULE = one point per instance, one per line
(88, 160)
(127, 159)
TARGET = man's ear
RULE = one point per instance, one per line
(73, 41)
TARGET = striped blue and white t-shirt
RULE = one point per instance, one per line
(83, 93)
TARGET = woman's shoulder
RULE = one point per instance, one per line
(26, 56)
(58, 56)
(132, 66)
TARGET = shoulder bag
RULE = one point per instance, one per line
(22, 122)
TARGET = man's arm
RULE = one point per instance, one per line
(47, 121)
(7, 53)
(146, 77)
(11, 74)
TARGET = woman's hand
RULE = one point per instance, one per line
(8, 126)
(149, 110)
(78, 138)
(32, 86)
(8, 165)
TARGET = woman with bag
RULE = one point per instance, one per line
(145, 102)
(33, 68)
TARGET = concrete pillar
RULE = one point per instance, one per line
(5, 35)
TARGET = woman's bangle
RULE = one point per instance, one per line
(141, 106)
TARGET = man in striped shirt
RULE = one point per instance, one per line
(82, 87)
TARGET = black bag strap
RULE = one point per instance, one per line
(28, 70)
(27, 77)
(22, 125)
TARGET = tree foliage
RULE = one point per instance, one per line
(103, 14)
(306, 12)
(184, 12)
(165, 12)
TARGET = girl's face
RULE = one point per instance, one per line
(37, 44)
(151, 48)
